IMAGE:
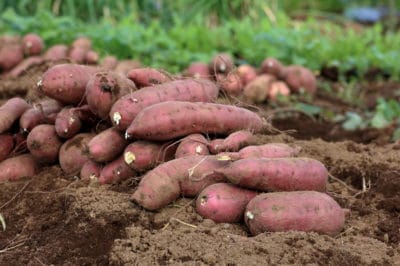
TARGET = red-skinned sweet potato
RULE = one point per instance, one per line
(24, 65)
(90, 170)
(10, 56)
(73, 153)
(221, 63)
(32, 44)
(10, 111)
(223, 202)
(116, 171)
(124, 66)
(230, 83)
(91, 57)
(272, 66)
(127, 107)
(17, 167)
(69, 120)
(109, 62)
(77, 55)
(277, 174)
(168, 120)
(104, 88)
(299, 79)
(232, 143)
(82, 42)
(6, 145)
(43, 112)
(144, 77)
(246, 73)
(198, 70)
(56, 52)
(307, 211)
(276, 89)
(44, 144)
(185, 176)
(106, 145)
(256, 91)
(193, 144)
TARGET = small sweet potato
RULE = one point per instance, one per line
(144, 77)
(272, 66)
(276, 89)
(43, 112)
(106, 145)
(24, 65)
(277, 174)
(299, 79)
(109, 62)
(183, 176)
(232, 143)
(230, 83)
(32, 44)
(221, 63)
(82, 42)
(6, 145)
(44, 144)
(66, 82)
(91, 57)
(10, 56)
(11, 111)
(223, 202)
(90, 170)
(127, 107)
(77, 55)
(198, 70)
(70, 120)
(104, 88)
(168, 120)
(56, 52)
(246, 73)
(73, 153)
(18, 167)
(124, 66)
(193, 144)
(307, 211)
(116, 171)
(256, 91)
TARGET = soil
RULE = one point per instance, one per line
(56, 219)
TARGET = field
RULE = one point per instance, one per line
(351, 125)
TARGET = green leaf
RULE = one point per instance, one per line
(353, 121)
(308, 108)
(379, 120)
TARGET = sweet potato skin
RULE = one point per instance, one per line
(32, 44)
(160, 121)
(277, 174)
(6, 145)
(230, 83)
(10, 56)
(144, 77)
(193, 144)
(300, 78)
(42, 112)
(198, 70)
(256, 91)
(106, 145)
(90, 170)
(246, 73)
(234, 142)
(56, 52)
(269, 150)
(223, 202)
(307, 211)
(126, 109)
(10, 111)
(273, 67)
(221, 63)
(25, 65)
(17, 167)
(44, 144)
(116, 171)
(67, 123)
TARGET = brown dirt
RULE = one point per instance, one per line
(56, 219)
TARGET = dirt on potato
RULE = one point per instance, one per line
(57, 219)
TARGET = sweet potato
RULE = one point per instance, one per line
(168, 120)
(24, 65)
(43, 112)
(276, 89)
(273, 67)
(32, 44)
(144, 77)
(10, 111)
(257, 90)
(90, 170)
(230, 83)
(143, 155)
(109, 62)
(77, 55)
(124, 66)
(73, 153)
(66, 82)
(6, 145)
(299, 79)
(198, 70)
(82, 42)
(234, 142)
(10, 56)
(277, 174)
(116, 171)
(183, 176)
(44, 144)
(223, 202)
(20, 145)
(307, 211)
(221, 63)
(56, 52)
(91, 57)
(104, 88)
(194, 144)
(106, 145)
(67, 123)
(246, 73)
(125, 109)
(17, 167)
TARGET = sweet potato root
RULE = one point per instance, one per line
(125, 109)
(144, 77)
(256, 91)
(277, 174)
(32, 44)
(44, 144)
(6, 145)
(233, 143)
(10, 56)
(24, 65)
(69, 120)
(307, 211)
(56, 52)
(43, 112)
(106, 145)
(10, 111)
(124, 66)
(168, 120)
(116, 171)
(198, 70)
(18, 167)
(273, 67)
(246, 73)
(221, 63)
(90, 170)
(230, 83)
(276, 89)
(223, 202)
(194, 144)
(299, 79)
(109, 62)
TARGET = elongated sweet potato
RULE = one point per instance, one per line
(24, 65)
(32, 44)
(73, 153)
(106, 145)
(144, 77)
(270, 150)
(116, 171)
(44, 144)
(256, 91)
(126, 109)
(43, 112)
(66, 82)
(234, 142)
(194, 144)
(143, 155)
(56, 52)
(17, 167)
(183, 176)
(299, 79)
(10, 111)
(307, 211)
(277, 174)
(168, 120)
(272, 66)
(223, 202)
(6, 145)
(198, 70)
(104, 88)
(90, 170)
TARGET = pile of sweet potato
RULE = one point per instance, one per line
(106, 126)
